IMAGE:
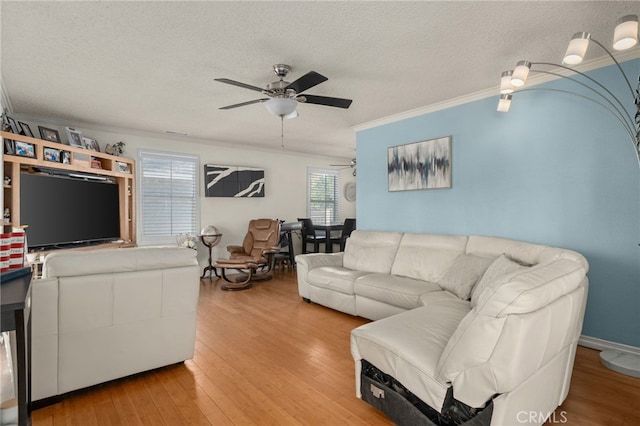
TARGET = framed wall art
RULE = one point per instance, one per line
(233, 181)
(420, 165)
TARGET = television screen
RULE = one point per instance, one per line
(61, 210)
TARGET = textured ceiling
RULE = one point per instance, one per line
(151, 65)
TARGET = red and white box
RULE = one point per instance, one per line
(16, 249)
(5, 247)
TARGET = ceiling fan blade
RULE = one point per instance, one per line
(307, 81)
(237, 83)
(325, 100)
(244, 103)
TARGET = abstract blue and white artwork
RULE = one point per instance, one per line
(420, 165)
(233, 181)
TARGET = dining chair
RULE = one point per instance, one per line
(310, 235)
(348, 227)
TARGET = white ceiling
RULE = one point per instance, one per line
(151, 66)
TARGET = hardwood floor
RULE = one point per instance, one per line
(265, 357)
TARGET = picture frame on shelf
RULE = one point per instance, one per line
(75, 137)
(25, 149)
(95, 163)
(66, 157)
(91, 144)
(25, 129)
(9, 148)
(52, 154)
(50, 135)
(122, 167)
(13, 125)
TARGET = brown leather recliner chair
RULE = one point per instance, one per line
(254, 258)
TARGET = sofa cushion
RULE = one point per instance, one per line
(408, 346)
(334, 278)
(371, 251)
(493, 247)
(463, 274)
(530, 289)
(427, 256)
(500, 268)
(397, 291)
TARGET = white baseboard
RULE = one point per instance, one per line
(602, 345)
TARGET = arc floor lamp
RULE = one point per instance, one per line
(513, 81)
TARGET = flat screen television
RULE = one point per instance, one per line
(61, 210)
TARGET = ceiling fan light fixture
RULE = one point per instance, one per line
(282, 107)
(294, 114)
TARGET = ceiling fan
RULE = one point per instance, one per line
(351, 164)
(283, 96)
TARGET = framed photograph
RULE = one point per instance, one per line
(52, 154)
(50, 135)
(95, 163)
(420, 165)
(122, 167)
(91, 144)
(75, 137)
(13, 125)
(25, 149)
(26, 130)
(8, 147)
(66, 157)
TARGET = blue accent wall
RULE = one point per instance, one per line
(556, 170)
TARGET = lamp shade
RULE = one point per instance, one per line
(505, 82)
(281, 106)
(625, 35)
(577, 48)
(520, 73)
(504, 103)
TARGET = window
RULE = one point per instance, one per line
(323, 196)
(168, 196)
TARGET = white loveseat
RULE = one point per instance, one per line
(104, 314)
(476, 324)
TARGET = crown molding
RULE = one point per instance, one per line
(494, 91)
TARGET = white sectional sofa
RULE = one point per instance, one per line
(104, 314)
(467, 329)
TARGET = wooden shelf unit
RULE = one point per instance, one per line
(79, 161)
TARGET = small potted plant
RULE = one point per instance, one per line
(119, 148)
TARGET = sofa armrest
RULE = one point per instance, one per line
(316, 260)
(307, 262)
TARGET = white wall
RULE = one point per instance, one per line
(285, 177)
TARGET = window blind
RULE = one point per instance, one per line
(323, 196)
(168, 194)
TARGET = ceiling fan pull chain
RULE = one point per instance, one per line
(282, 132)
